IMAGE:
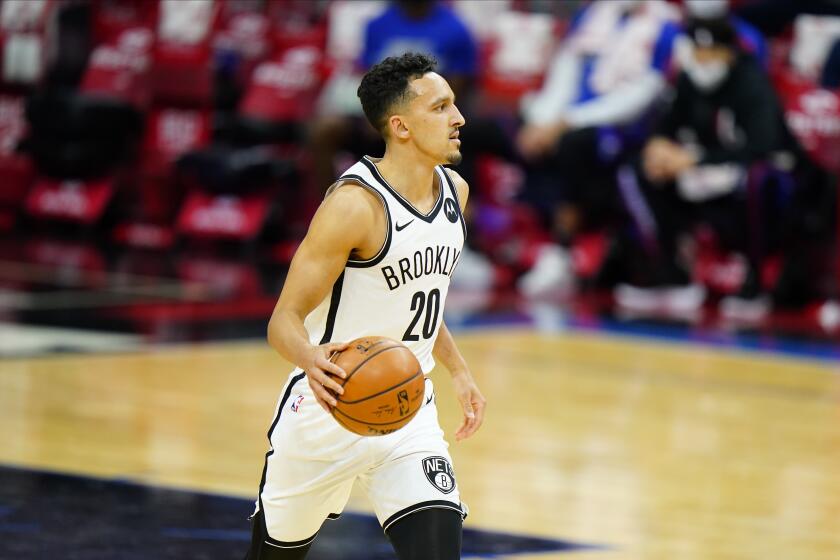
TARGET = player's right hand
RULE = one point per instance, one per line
(318, 369)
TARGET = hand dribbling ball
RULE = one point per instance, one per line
(384, 387)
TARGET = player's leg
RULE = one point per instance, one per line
(429, 534)
(413, 488)
(308, 475)
(263, 547)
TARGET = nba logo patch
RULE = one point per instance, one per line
(439, 472)
(296, 403)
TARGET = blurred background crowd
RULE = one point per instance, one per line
(670, 156)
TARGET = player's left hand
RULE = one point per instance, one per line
(473, 403)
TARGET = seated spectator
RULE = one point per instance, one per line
(725, 118)
(603, 81)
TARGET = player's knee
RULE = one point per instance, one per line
(431, 534)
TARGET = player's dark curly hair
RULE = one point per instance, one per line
(387, 83)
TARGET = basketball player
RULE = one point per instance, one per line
(376, 260)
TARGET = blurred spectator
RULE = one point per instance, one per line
(604, 79)
(725, 118)
(424, 26)
(750, 39)
(830, 76)
(814, 52)
(772, 17)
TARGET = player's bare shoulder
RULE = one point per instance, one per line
(461, 186)
(352, 197)
(360, 214)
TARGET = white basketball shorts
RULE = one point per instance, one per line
(314, 461)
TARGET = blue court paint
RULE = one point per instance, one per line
(53, 515)
(802, 348)
(761, 343)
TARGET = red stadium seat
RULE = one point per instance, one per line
(112, 18)
(155, 194)
(246, 32)
(120, 69)
(813, 115)
(516, 54)
(285, 89)
(207, 216)
(170, 133)
(82, 202)
(182, 68)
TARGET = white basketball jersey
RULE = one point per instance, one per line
(400, 292)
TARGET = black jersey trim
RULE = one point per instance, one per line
(270, 452)
(260, 531)
(376, 259)
(335, 298)
(328, 332)
(430, 217)
(283, 544)
(457, 200)
(289, 544)
(443, 504)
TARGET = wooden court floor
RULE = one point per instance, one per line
(655, 451)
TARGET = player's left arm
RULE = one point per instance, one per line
(472, 401)
(446, 352)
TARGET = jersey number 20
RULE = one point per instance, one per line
(420, 304)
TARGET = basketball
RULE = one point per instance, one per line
(384, 386)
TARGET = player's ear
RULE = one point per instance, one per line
(397, 127)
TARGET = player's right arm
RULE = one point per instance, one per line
(339, 227)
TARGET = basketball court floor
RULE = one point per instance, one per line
(136, 391)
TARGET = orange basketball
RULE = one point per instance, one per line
(384, 386)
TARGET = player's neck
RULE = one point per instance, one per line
(411, 176)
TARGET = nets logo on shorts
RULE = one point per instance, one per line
(440, 473)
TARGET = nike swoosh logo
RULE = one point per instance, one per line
(430, 399)
(402, 227)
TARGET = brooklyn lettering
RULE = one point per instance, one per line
(431, 260)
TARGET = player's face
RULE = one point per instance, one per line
(434, 120)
